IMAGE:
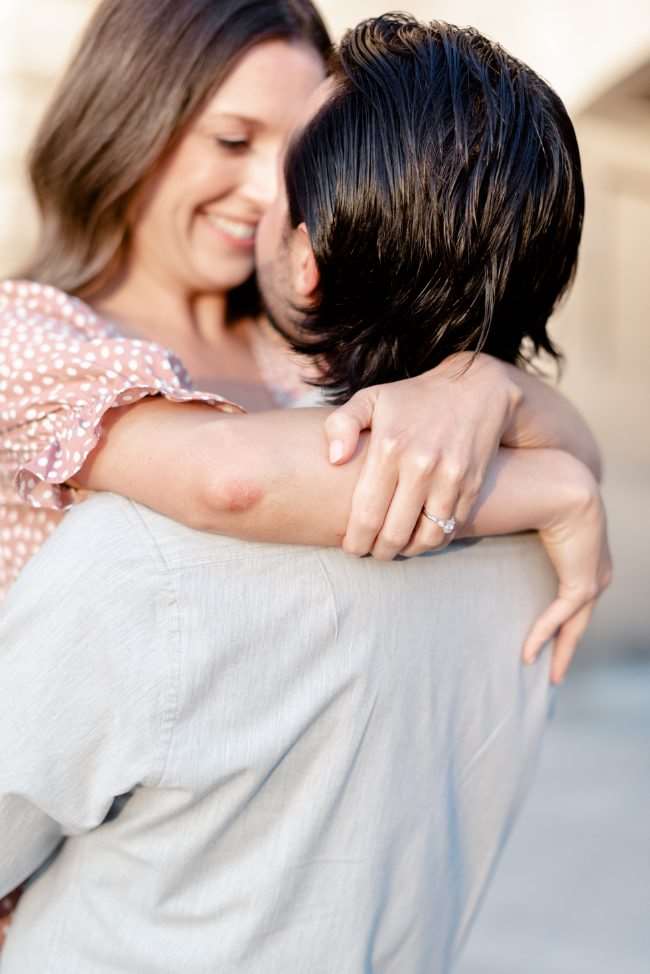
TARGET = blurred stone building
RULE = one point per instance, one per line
(597, 55)
(35, 43)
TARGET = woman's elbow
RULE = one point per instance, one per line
(228, 486)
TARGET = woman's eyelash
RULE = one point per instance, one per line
(233, 143)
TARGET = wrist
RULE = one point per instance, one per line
(498, 378)
(573, 492)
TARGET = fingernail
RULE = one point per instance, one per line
(530, 658)
(336, 451)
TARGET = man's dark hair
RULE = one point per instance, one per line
(442, 192)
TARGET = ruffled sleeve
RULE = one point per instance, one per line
(61, 369)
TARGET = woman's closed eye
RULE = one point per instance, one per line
(232, 144)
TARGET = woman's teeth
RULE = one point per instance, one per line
(241, 231)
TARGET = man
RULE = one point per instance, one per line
(432, 203)
(270, 759)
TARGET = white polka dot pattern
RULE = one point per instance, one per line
(61, 368)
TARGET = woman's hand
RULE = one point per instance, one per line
(432, 440)
(576, 542)
(553, 493)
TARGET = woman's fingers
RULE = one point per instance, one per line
(372, 497)
(565, 621)
(567, 639)
(424, 484)
(401, 520)
(545, 627)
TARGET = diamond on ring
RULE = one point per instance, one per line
(446, 524)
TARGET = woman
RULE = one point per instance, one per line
(151, 170)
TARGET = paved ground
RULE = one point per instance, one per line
(572, 895)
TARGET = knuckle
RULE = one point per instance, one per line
(392, 443)
(453, 471)
(423, 464)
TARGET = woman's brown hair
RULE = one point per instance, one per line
(143, 69)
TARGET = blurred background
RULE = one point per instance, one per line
(572, 895)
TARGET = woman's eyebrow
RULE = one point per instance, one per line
(220, 116)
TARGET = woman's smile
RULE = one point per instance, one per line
(239, 234)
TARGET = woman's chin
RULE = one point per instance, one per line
(229, 275)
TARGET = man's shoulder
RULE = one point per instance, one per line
(97, 568)
(98, 550)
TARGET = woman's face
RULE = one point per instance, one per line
(199, 213)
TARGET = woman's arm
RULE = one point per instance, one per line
(266, 476)
(487, 401)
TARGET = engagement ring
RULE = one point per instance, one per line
(447, 524)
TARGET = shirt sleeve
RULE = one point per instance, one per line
(88, 688)
(61, 369)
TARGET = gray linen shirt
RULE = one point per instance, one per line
(320, 756)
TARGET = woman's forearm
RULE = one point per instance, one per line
(529, 490)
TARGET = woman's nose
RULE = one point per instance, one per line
(261, 185)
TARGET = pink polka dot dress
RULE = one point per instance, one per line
(61, 368)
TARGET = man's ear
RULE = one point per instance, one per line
(304, 269)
